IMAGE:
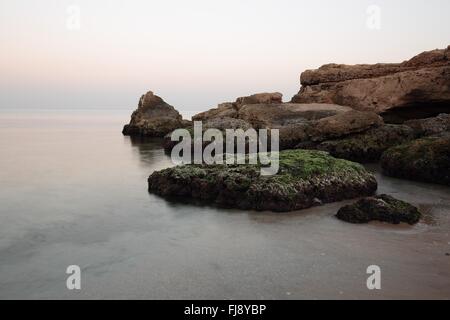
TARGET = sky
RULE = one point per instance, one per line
(198, 53)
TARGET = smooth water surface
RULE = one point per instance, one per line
(73, 190)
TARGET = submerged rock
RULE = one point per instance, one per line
(400, 91)
(370, 145)
(154, 118)
(380, 208)
(305, 178)
(426, 159)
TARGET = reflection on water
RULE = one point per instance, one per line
(149, 149)
(74, 191)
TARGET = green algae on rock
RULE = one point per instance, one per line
(381, 208)
(426, 159)
(305, 178)
(370, 145)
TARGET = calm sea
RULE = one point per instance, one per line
(73, 191)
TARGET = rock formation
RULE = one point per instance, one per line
(342, 131)
(154, 118)
(380, 208)
(344, 124)
(426, 159)
(230, 109)
(260, 98)
(266, 110)
(369, 145)
(416, 88)
(301, 126)
(430, 126)
(305, 178)
(296, 122)
(398, 112)
(279, 115)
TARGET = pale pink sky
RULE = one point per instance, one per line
(195, 54)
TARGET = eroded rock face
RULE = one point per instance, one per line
(226, 123)
(351, 135)
(266, 110)
(154, 118)
(260, 98)
(344, 124)
(230, 109)
(426, 159)
(421, 86)
(340, 72)
(279, 115)
(307, 126)
(293, 120)
(306, 178)
(380, 208)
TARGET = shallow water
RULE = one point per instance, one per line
(73, 191)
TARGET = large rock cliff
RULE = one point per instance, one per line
(417, 88)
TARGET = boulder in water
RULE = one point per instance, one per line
(305, 178)
(381, 208)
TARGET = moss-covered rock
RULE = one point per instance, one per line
(305, 178)
(380, 208)
(370, 145)
(426, 159)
